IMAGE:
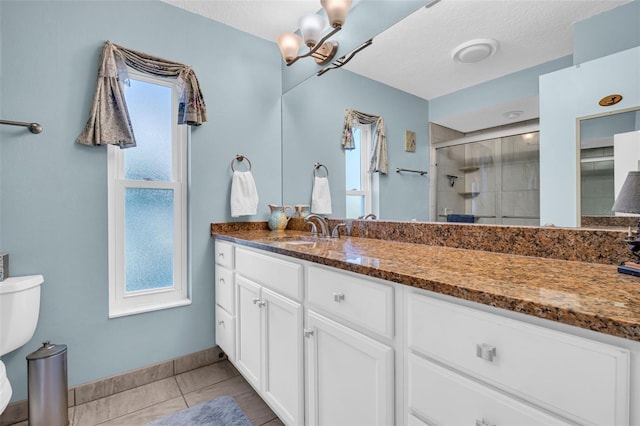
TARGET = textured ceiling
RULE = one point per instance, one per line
(415, 54)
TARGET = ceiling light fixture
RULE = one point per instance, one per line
(311, 27)
(512, 115)
(474, 51)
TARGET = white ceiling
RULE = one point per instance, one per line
(415, 54)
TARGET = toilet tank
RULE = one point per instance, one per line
(19, 310)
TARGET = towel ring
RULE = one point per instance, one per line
(239, 158)
(316, 166)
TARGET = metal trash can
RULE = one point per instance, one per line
(48, 394)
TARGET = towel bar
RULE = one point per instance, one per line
(240, 158)
(316, 166)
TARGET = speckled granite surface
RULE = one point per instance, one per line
(583, 245)
(588, 295)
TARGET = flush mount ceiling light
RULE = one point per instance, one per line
(512, 115)
(474, 51)
(311, 27)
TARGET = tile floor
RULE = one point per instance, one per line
(155, 400)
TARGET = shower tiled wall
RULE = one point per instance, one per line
(498, 180)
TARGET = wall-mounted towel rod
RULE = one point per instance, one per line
(34, 128)
(422, 172)
(240, 158)
(316, 166)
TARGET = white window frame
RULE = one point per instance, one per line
(122, 303)
(365, 141)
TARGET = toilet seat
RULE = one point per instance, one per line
(5, 388)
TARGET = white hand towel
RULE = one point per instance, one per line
(320, 196)
(244, 195)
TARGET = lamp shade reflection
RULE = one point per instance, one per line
(628, 200)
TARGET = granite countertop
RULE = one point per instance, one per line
(587, 295)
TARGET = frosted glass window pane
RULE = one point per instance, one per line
(352, 160)
(150, 111)
(355, 206)
(148, 238)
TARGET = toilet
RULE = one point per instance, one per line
(19, 310)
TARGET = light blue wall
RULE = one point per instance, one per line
(565, 96)
(313, 118)
(53, 193)
(518, 85)
(606, 33)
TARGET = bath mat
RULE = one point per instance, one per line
(222, 411)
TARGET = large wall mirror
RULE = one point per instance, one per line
(609, 149)
(313, 116)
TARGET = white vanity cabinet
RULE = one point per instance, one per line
(350, 376)
(269, 331)
(464, 363)
(225, 299)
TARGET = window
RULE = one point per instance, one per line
(357, 177)
(148, 203)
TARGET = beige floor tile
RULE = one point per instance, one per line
(124, 403)
(233, 387)
(149, 414)
(274, 422)
(196, 360)
(122, 382)
(257, 411)
(205, 376)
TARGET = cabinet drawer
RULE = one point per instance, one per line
(226, 333)
(224, 254)
(445, 398)
(582, 379)
(225, 289)
(365, 303)
(271, 272)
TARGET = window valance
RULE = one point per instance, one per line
(109, 121)
(379, 162)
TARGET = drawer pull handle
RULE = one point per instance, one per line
(308, 333)
(486, 352)
(483, 422)
(338, 297)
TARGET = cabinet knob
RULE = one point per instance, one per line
(486, 352)
(308, 333)
(221, 280)
(338, 297)
(221, 322)
(261, 303)
(255, 300)
(221, 255)
(483, 422)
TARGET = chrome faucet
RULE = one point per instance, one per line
(335, 233)
(324, 225)
(369, 216)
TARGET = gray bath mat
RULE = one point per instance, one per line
(222, 411)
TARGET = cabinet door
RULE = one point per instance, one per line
(248, 330)
(349, 376)
(283, 361)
